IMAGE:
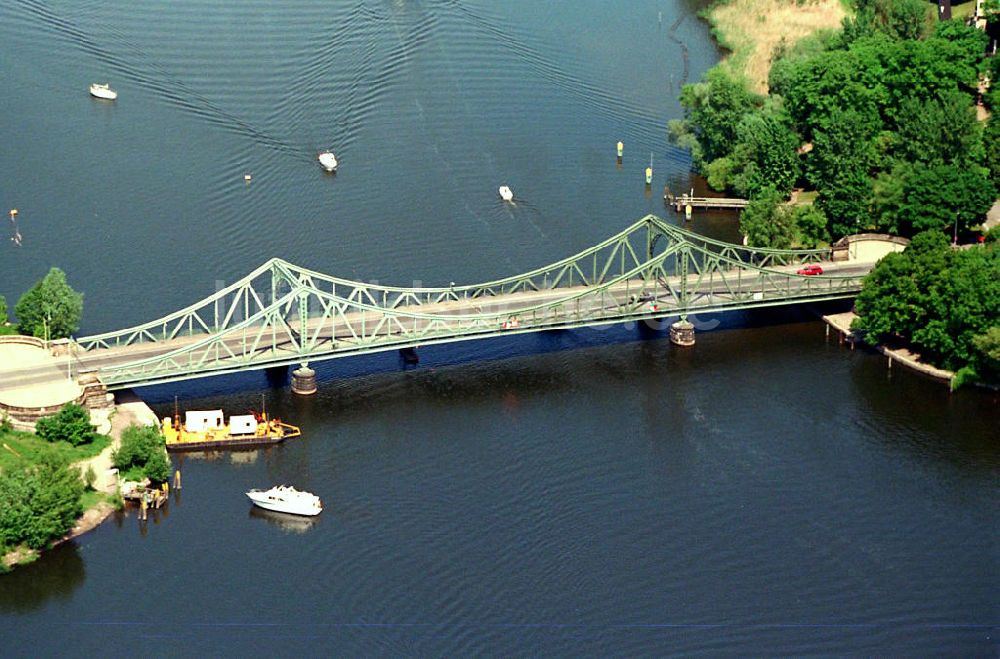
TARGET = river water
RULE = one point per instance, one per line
(591, 492)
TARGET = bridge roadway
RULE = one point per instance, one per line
(620, 302)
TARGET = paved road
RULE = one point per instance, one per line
(31, 377)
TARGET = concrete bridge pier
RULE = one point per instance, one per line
(304, 380)
(682, 333)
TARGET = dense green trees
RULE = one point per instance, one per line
(715, 108)
(70, 424)
(938, 299)
(51, 309)
(142, 453)
(941, 130)
(738, 141)
(765, 154)
(986, 360)
(879, 119)
(838, 167)
(39, 502)
(900, 19)
(991, 147)
(768, 222)
(948, 198)
(764, 221)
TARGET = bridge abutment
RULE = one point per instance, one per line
(682, 333)
(304, 381)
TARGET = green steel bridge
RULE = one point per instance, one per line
(281, 314)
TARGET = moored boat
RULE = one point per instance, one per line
(328, 161)
(286, 499)
(205, 430)
(104, 91)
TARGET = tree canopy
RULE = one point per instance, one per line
(763, 222)
(39, 502)
(937, 299)
(878, 119)
(987, 356)
(767, 222)
(51, 309)
(947, 198)
(71, 424)
(899, 19)
(142, 453)
(715, 108)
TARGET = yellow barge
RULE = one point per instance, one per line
(205, 430)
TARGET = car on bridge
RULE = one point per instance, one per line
(812, 269)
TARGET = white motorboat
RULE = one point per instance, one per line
(328, 161)
(506, 193)
(286, 499)
(104, 91)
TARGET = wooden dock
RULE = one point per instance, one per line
(154, 497)
(681, 203)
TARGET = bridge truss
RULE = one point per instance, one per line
(283, 314)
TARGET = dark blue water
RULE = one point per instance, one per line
(572, 493)
(430, 106)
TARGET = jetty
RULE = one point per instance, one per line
(682, 202)
(154, 497)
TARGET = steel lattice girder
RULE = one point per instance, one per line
(627, 281)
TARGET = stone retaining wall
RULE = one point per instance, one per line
(95, 396)
(23, 340)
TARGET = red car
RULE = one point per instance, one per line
(810, 270)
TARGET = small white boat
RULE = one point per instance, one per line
(104, 91)
(286, 499)
(328, 161)
(506, 193)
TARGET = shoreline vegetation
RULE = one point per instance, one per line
(753, 30)
(89, 491)
(56, 483)
(869, 116)
(61, 473)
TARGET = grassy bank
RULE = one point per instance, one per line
(752, 29)
(15, 445)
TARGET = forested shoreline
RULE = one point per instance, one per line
(881, 125)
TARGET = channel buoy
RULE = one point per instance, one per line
(506, 193)
(621, 147)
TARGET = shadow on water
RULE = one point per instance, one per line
(421, 359)
(54, 576)
(925, 411)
